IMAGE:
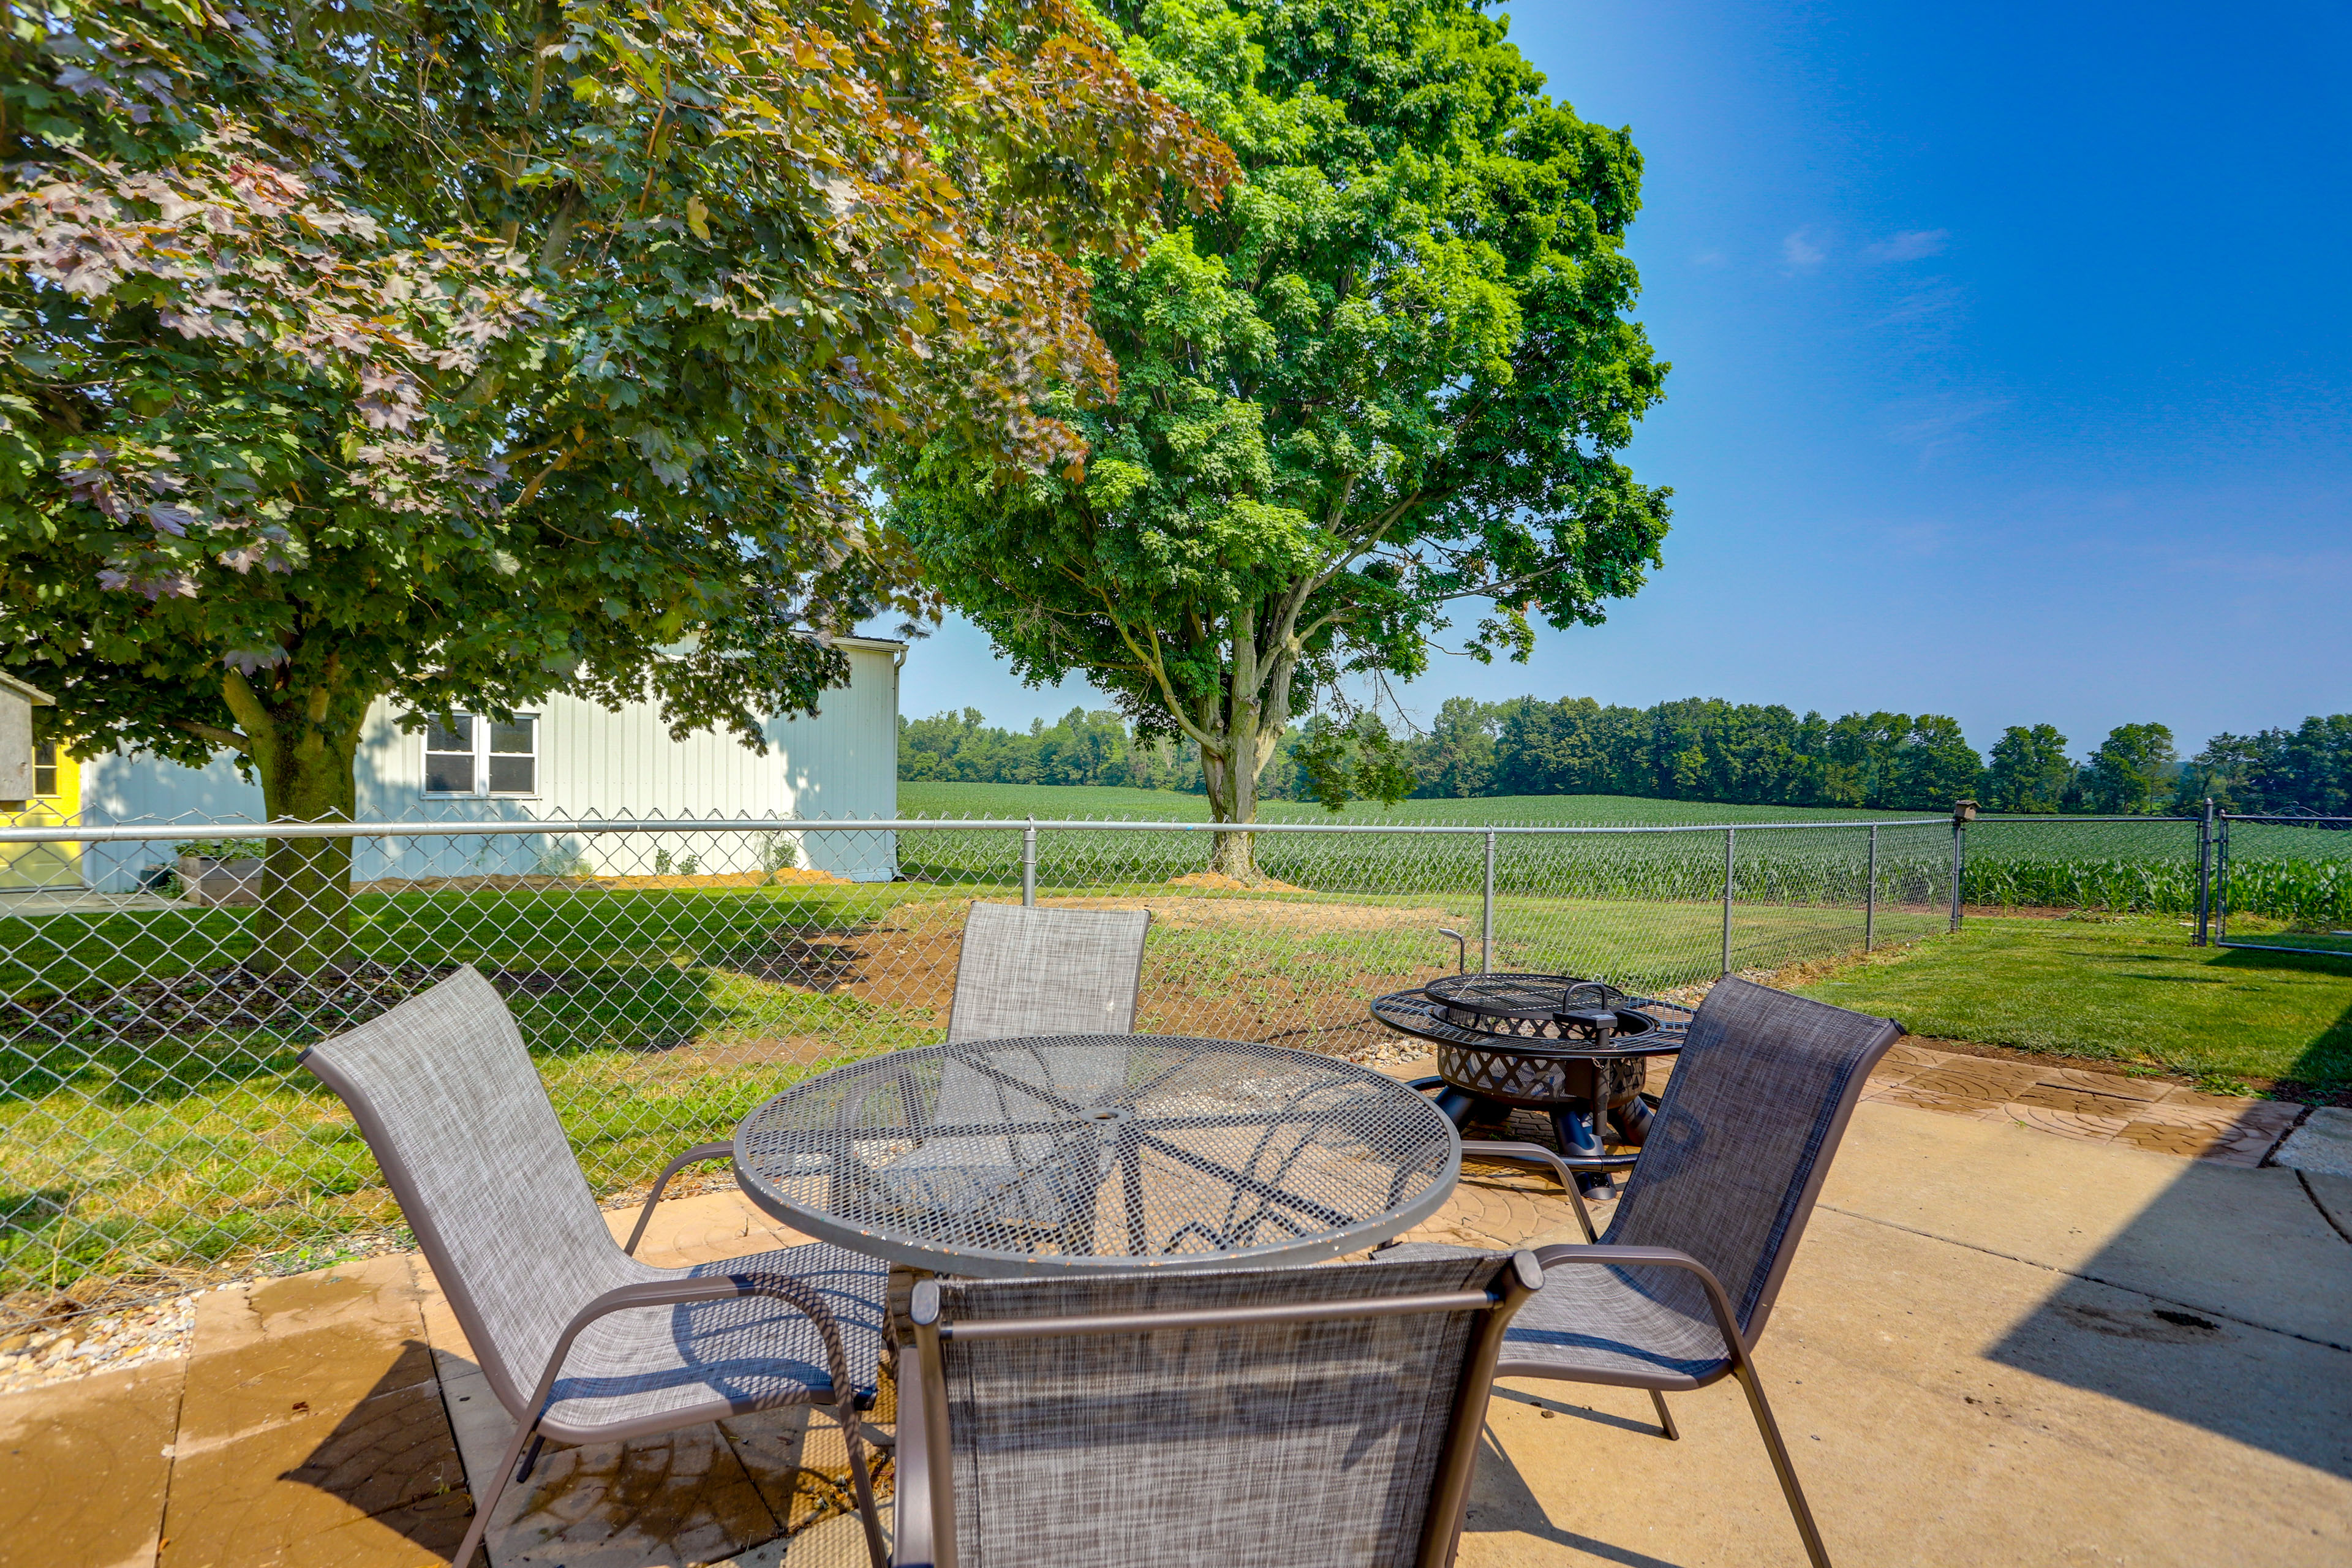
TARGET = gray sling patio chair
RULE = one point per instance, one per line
(581, 1341)
(1047, 972)
(1242, 1418)
(1675, 1295)
(1021, 970)
(1026, 971)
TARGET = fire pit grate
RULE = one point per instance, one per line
(1561, 1044)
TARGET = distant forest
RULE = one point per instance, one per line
(1703, 749)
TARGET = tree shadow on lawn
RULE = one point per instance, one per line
(197, 1153)
(124, 1050)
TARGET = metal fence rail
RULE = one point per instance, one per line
(155, 1125)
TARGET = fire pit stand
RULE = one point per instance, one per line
(1575, 1049)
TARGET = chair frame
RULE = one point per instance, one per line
(926, 1498)
(529, 1416)
(1740, 1347)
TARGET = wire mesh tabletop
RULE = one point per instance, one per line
(1024, 1156)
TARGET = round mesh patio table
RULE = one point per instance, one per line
(1113, 1152)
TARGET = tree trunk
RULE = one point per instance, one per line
(1257, 686)
(1232, 797)
(301, 738)
(1232, 778)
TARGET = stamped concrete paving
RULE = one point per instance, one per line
(2098, 1106)
(1996, 1346)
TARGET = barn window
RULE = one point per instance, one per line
(449, 755)
(472, 755)
(45, 770)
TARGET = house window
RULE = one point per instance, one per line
(45, 770)
(473, 754)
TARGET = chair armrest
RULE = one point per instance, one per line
(913, 1544)
(1727, 1323)
(694, 1156)
(1560, 1163)
(704, 1288)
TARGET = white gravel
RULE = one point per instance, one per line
(108, 1341)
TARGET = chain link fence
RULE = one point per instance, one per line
(156, 1128)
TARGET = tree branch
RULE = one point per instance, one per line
(228, 739)
(1156, 669)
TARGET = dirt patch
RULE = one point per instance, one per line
(1184, 913)
(2280, 1088)
(1219, 882)
(199, 1006)
(908, 966)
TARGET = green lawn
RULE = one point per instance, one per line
(659, 1015)
(2130, 990)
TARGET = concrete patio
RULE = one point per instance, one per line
(1998, 1345)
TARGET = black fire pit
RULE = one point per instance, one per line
(1574, 1048)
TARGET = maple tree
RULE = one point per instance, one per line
(1388, 375)
(461, 353)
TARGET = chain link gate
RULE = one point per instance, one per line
(2292, 873)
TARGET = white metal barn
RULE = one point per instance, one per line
(569, 760)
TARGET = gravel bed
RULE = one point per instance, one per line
(108, 1341)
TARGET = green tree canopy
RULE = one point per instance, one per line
(463, 353)
(1388, 374)
(2307, 769)
(2028, 771)
(2131, 773)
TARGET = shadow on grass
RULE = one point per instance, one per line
(125, 1154)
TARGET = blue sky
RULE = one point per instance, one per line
(2013, 366)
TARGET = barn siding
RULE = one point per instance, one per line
(841, 763)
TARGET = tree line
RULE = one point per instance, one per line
(1703, 749)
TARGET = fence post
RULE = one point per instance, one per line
(2221, 883)
(1869, 896)
(2205, 875)
(1487, 927)
(1959, 854)
(1029, 865)
(1728, 834)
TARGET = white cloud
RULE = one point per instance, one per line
(1931, 425)
(1912, 245)
(1800, 249)
(1933, 304)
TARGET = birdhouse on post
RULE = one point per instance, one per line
(17, 702)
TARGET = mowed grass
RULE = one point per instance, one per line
(1630, 850)
(657, 1020)
(2129, 990)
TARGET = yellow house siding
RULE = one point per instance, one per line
(46, 865)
